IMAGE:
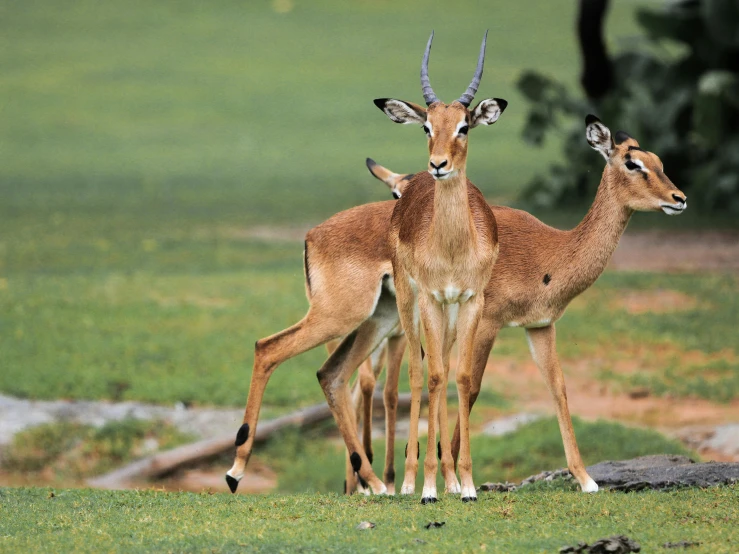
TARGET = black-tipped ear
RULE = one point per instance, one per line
(400, 111)
(370, 163)
(621, 136)
(598, 136)
(487, 112)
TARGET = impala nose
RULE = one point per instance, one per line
(437, 167)
(679, 199)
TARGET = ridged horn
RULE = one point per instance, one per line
(428, 92)
(469, 95)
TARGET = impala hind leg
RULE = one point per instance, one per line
(336, 371)
(269, 353)
(543, 346)
(395, 351)
(410, 322)
(469, 317)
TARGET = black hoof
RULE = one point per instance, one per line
(428, 500)
(469, 499)
(232, 483)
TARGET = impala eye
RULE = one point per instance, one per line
(426, 130)
(631, 165)
(463, 130)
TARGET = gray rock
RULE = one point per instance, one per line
(661, 472)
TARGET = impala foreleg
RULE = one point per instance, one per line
(395, 351)
(484, 340)
(432, 317)
(451, 484)
(269, 353)
(543, 346)
(469, 317)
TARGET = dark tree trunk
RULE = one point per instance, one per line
(597, 72)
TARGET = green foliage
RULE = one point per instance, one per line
(681, 103)
(73, 451)
(136, 521)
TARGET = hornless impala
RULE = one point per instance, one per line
(444, 242)
(539, 271)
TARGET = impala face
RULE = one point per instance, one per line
(641, 183)
(446, 125)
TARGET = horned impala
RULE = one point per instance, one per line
(444, 242)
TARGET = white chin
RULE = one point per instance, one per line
(669, 210)
(443, 177)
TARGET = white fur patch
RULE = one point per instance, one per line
(640, 164)
(590, 486)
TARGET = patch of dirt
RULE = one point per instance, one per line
(677, 251)
(659, 250)
(592, 399)
(653, 301)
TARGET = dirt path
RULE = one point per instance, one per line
(659, 250)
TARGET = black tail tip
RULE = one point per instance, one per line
(232, 483)
(590, 119)
(502, 104)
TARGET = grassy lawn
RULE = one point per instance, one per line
(173, 330)
(536, 521)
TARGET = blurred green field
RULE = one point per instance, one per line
(172, 333)
(136, 121)
(140, 142)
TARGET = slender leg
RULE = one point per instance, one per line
(407, 309)
(432, 317)
(269, 353)
(336, 371)
(543, 346)
(469, 316)
(396, 349)
(451, 484)
(351, 483)
(368, 373)
(484, 340)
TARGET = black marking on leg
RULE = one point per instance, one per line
(345, 491)
(423, 353)
(547, 278)
(232, 483)
(406, 451)
(242, 435)
(428, 500)
(362, 481)
(390, 476)
(370, 456)
(307, 269)
(418, 450)
(438, 449)
(356, 461)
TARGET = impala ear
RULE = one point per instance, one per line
(622, 137)
(487, 112)
(400, 111)
(598, 136)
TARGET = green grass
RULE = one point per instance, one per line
(172, 334)
(541, 521)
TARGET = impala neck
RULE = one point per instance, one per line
(452, 229)
(590, 245)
